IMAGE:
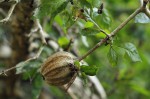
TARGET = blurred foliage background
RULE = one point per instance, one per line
(64, 20)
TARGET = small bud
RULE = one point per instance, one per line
(80, 14)
(71, 1)
(82, 10)
(100, 10)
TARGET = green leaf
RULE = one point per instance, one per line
(58, 10)
(112, 56)
(27, 66)
(88, 24)
(44, 9)
(51, 8)
(142, 18)
(132, 52)
(107, 20)
(77, 64)
(57, 92)
(84, 78)
(84, 40)
(94, 3)
(29, 74)
(103, 21)
(85, 3)
(89, 31)
(89, 70)
(140, 89)
(63, 42)
(36, 86)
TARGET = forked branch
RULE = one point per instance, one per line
(113, 33)
(10, 11)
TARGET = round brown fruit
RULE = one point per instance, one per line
(59, 69)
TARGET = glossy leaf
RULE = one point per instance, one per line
(88, 24)
(142, 18)
(77, 64)
(59, 9)
(89, 70)
(51, 8)
(85, 3)
(132, 52)
(36, 86)
(84, 40)
(94, 3)
(89, 31)
(84, 78)
(112, 56)
(27, 66)
(63, 42)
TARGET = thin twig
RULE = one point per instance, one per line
(101, 30)
(93, 49)
(125, 22)
(40, 29)
(113, 33)
(147, 12)
(10, 12)
(2, 1)
(19, 64)
(98, 27)
(32, 31)
(145, 8)
(69, 45)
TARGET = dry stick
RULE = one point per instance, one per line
(147, 12)
(113, 33)
(145, 9)
(18, 65)
(69, 45)
(40, 29)
(9, 12)
(2, 1)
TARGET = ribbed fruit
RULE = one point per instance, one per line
(59, 69)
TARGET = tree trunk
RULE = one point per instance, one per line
(19, 26)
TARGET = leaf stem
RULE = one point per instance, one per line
(98, 27)
(101, 30)
(113, 33)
